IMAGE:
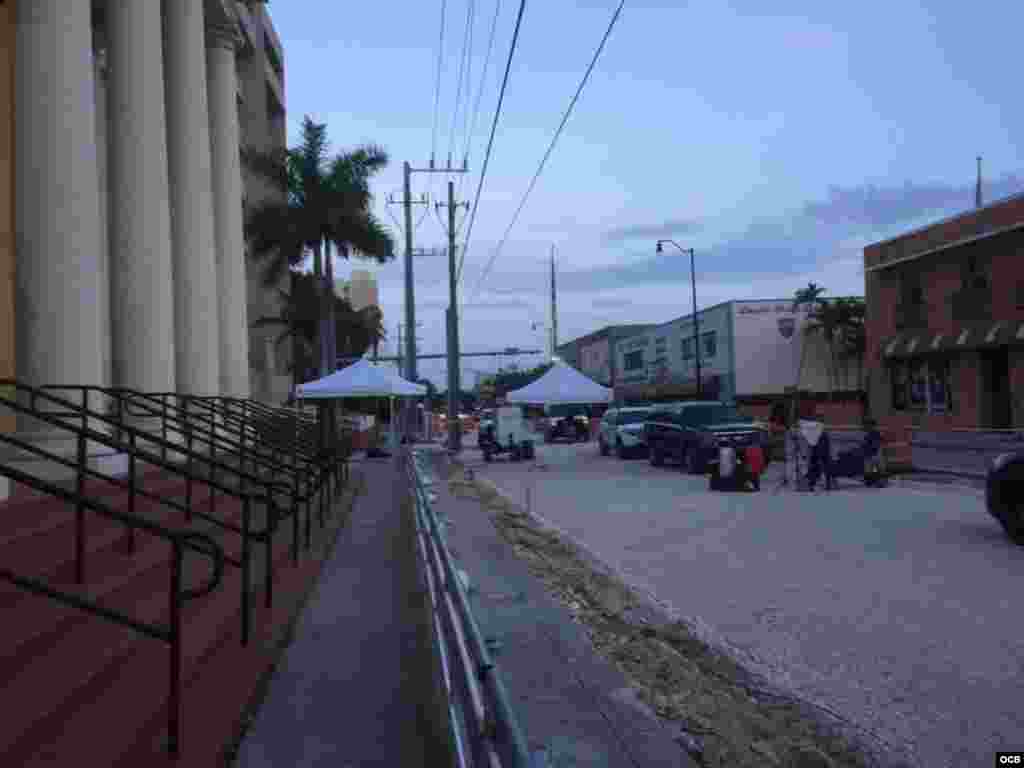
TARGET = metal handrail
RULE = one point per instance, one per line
(478, 704)
(170, 632)
(130, 447)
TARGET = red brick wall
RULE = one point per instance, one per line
(1017, 384)
(967, 225)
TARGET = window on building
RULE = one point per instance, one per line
(920, 385)
(709, 344)
(974, 273)
(687, 346)
(633, 361)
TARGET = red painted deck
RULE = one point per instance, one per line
(76, 689)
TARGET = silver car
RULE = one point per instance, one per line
(622, 430)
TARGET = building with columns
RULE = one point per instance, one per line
(122, 254)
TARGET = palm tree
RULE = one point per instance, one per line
(327, 203)
(852, 340)
(299, 322)
(803, 297)
(826, 321)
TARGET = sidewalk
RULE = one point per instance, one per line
(346, 691)
(575, 708)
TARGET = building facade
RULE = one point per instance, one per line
(945, 322)
(360, 290)
(595, 354)
(122, 252)
(755, 350)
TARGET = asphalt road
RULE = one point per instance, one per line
(898, 608)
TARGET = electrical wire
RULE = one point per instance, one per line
(470, 12)
(490, 141)
(479, 94)
(437, 94)
(437, 84)
(551, 146)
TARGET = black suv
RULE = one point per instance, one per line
(692, 432)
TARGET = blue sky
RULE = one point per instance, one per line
(777, 139)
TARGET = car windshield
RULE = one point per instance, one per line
(631, 417)
(713, 414)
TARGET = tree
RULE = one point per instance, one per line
(851, 335)
(803, 297)
(299, 321)
(327, 203)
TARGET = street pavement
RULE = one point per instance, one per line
(896, 608)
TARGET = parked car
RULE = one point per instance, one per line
(692, 432)
(622, 430)
(566, 422)
(1004, 493)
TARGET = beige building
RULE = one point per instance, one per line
(360, 290)
(122, 255)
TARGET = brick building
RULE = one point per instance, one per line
(945, 322)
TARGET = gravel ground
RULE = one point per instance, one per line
(894, 608)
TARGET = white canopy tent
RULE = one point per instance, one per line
(362, 379)
(562, 385)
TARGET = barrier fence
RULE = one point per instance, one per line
(484, 729)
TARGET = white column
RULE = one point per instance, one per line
(197, 351)
(140, 228)
(227, 207)
(103, 271)
(57, 219)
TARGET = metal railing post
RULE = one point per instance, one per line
(246, 571)
(174, 694)
(269, 528)
(131, 489)
(163, 428)
(80, 512)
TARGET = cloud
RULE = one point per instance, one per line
(636, 231)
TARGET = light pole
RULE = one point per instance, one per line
(696, 325)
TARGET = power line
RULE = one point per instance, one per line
(437, 95)
(551, 146)
(490, 141)
(480, 91)
(437, 85)
(470, 7)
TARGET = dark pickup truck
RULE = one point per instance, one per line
(692, 432)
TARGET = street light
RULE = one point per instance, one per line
(696, 326)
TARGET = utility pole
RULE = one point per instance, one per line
(977, 187)
(410, 299)
(554, 306)
(452, 324)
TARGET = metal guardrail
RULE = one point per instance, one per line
(484, 729)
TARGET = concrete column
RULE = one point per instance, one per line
(57, 218)
(196, 323)
(140, 227)
(227, 207)
(104, 204)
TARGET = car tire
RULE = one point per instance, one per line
(693, 462)
(655, 456)
(620, 450)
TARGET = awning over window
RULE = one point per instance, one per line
(969, 337)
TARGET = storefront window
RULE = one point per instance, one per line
(633, 360)
(920, 385)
